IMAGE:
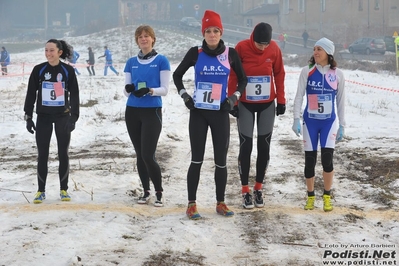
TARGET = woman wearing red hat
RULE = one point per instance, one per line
(263, 64)
(209, 106)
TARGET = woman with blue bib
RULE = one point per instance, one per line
(147, 78)
(323, 117)
(209, 106)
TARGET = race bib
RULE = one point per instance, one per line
(53, 94)
(324, 107)
(203, 96)
(258, 88)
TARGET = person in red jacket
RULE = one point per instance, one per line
(262, 61)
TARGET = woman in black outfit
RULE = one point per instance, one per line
(91, 62)
(54, 88)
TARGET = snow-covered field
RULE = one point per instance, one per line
(103, 224)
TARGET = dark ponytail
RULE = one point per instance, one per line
(62, 45)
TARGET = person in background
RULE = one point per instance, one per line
(282, 39)
(263, 64)
(108, 61)
(91, 62)
(4, 60)
(73, 59)
(209, 106)
(53, 86)
(305, 37)
(323, 84)
(147, 78)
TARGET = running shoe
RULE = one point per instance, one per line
(310, 203)
(192, 212)
(144, 199)
(247, 202)
(158, 202)
(258, 199)
(39, 197)
(327, 207)
(64, 195)
(222, 209)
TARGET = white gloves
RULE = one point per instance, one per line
(296, 127)
(340, 133)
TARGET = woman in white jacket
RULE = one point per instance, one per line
(323, 117)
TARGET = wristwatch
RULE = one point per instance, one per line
(237, 94)
(27, 117)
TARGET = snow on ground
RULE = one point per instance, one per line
(103, 224)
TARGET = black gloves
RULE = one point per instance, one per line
(130, 87)
(188, 101)
(30, 125)
(70, 125)
(234, 112)
(141, 92)
(280, 109)
(229, 103)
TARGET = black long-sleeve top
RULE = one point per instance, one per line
(44, 72)
(91, 60)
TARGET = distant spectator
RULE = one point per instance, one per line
(305, 37)
(91, 62)
(4, 60)
(108, 61)
(73, 59)
(282, 38)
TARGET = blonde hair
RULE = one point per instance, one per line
(147, 29)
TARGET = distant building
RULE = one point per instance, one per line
(134, 11)
(341, 20)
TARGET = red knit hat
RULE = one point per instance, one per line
(211, 19)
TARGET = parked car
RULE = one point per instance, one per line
(367, 46)
(389, 43)
(190, 22)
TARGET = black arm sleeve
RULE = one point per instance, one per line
(188, 61)
(73, 89)
(31, 92)
(235, 63)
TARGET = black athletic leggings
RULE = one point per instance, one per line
(44, 130)
(92, 72)
(264, 122)
(144, 126)
(218, 122)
